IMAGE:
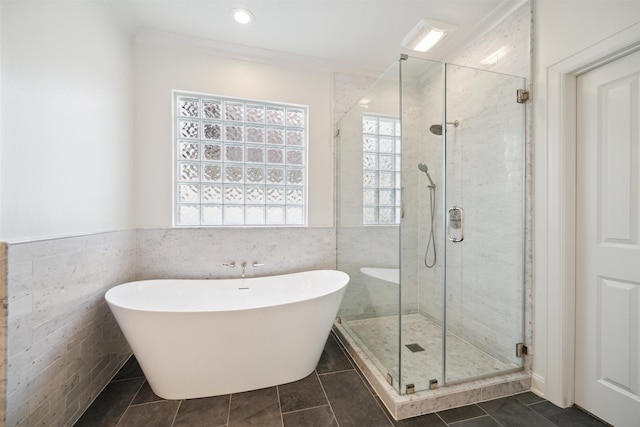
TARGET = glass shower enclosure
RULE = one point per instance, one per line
(430, 226)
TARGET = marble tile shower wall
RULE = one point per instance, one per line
(365, 246)
(63, 345)
(499, 300)
(367, 296)
(484, 272)
(411, 234)
(431, 279)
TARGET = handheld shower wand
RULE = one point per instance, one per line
(432, 205)
(425, 169)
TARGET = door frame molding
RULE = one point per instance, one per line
(558, 231)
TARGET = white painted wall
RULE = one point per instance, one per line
(161, 69)
(561, 30)
(66, 121)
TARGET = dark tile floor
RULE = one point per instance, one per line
(334, 395)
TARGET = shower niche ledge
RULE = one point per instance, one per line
(439, 399)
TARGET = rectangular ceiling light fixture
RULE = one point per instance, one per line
(426, 34)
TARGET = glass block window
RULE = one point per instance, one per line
(381, 204)
(239, 162)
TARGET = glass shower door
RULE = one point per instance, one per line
(483, 223)
(423, 189)
(368, 222)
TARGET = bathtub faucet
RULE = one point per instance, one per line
(244, 266)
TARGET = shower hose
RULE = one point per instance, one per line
(431, 242)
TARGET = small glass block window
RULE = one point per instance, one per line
(242, 162)
(381, 204)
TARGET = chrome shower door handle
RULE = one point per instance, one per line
(455, 221)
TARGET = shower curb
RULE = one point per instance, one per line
(428, 401)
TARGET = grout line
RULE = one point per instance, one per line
(305, 409)
(176, 414)
(361, 374)
(129, 404)
(366, 384)
(335, 418)
(229, 409)
(150, 403)
(336, 372)
(279, 405)
(126, 379)
(460, 422)
(531, 404)
(384, 410)
(441, 419)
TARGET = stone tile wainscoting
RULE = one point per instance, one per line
(3, 329)
(335, 394)
(186, 253)
(63, 345)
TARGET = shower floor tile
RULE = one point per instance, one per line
(380, 337)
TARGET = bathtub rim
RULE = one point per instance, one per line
(343, 281)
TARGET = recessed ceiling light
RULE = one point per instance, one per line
(242, 16)
(426, 34)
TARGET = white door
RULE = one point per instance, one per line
(607, 359)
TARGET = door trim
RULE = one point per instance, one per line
(556, 238)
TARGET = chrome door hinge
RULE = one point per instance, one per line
(522, 96)
(521, 350)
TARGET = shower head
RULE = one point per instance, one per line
(437, 129)
(425, 169)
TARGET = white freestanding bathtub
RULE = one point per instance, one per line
(197, 338)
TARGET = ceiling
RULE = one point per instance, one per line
(341, 35)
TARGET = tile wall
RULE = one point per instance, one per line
(63, 343)
(479, 159)
(3, 328)
(199, 253)
(365, 246)
(472, 302)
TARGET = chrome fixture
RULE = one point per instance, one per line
(425, 169)
(244, 266)
(456, 222)
(437, 129)
(522, 96)
(432, 208)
